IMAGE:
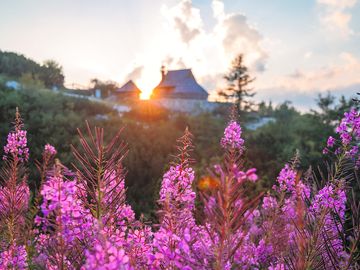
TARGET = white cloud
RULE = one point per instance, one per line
(209, 52)
(218, 8)
(185, 19)
(335, 16)
(344, 72)
(238, 36)
(184, 41)
(338, 3)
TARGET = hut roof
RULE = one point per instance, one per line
(181, 82)
(130, 86)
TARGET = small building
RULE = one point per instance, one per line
(179, 91)
(14, 85)
(179, 84)
(128, 91)
(97, 93)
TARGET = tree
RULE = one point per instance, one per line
(30, 81)
(238, 90)
(330, 110)
(265, 110)
(14, 65)
(52, 74)
(107, 87)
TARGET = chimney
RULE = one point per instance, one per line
(162, 70)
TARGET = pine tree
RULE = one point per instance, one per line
(238, 90)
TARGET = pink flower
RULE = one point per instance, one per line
(14, 258)
(49, 149)
(248, 175)
(286, 179)
(330, 142)
(269, 203)
(232, 137)
(278, 266)
(17, 145)
(105, 255)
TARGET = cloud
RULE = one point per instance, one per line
(342, 4)
(173, 62)
(303, 100)
(213, 82)
(187, 33)
(344, 72)
(208, 47)
(209, 51)
(240, 37)
(335, 16)
(185, 19)
(134, 74)
(303, 85)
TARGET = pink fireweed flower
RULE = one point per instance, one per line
(17, 145)
(14, 257)
(331, 200)
(106, 256)
(278, 266)
(288, 183)
(249, 175)
(64, 222)
(269, 203)
(330, 142)
(349, 127)
(263, 251)
(60, 199)
(172, 241)
(119, 213)
(352, 152)
(349, 132)
(138, 245)
(232, 137)
(176, 186)
(286, 179)
(49, 149)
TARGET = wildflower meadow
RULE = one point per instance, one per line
(79, 218)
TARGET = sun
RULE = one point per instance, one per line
(147, 83)
(146, 93)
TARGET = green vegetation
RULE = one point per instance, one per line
(238, 88)
(151, 132)
(13, 65)
(151, 135)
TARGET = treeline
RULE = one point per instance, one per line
(292, 132)
(15, 65)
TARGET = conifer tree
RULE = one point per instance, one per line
(238, 90)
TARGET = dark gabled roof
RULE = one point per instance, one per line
(182, 82)
(130, 86)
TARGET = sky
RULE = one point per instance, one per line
(295, 49)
